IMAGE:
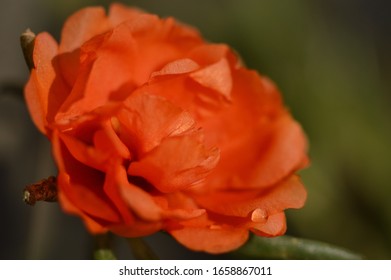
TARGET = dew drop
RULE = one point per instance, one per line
(259, 215)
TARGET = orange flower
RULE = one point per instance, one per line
(154, 129)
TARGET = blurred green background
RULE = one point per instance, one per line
(332, 62)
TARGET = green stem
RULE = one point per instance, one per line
(141, 250)
(286, 247)
(102, 250)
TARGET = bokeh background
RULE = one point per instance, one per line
(332, 62)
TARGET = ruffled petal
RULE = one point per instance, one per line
(83, 186)
(216, 76)
(288, 194)
(214, 241)
(118, 13)
(36, 102)
(275, 226)
(113, 64)
(45, 85)
(139, 201)
(149, 207)
(107, 140)
(210, 54)
(180, 66)
(78, 29)
(82, 26)
(101, 73)
(149, 119)
(178, 206)
(137, 229)
(284, 152)
(104, 147)
(91, 225)
(260, 142)
(111, 187)
(169, 170)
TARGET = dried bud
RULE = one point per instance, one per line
(27, 43)
(44, 190)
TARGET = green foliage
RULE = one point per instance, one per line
(291, 248)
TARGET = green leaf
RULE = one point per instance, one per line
(287, 247)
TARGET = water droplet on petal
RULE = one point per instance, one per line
(259, 215)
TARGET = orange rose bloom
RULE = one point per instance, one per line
(153, 128)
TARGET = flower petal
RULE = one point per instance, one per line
(118, 13)
(138, 200)
(107, 140)
(150, 119)
(275, 226)
(82, 26)
(209, 54)
(288, 194)
(127, 52)
(178, 206)
(137, 229)
(36, 102)
(92, 226)
(104, 146)
(44, 86)
(171, 171)
(95, 82)
(216, 76)
(80, 184)
(260, 142)
(111, 188)
(78, 29)
(179, 66)
(213, 241)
